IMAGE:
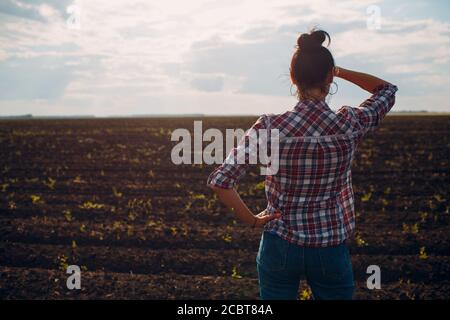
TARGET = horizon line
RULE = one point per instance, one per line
(185, 115)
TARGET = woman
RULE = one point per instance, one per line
(310, 211)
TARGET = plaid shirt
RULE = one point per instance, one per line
(313, 186)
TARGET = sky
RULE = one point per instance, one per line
(128, 57)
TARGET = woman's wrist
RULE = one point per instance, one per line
(254, 222)
(336, 71)
(247, 217)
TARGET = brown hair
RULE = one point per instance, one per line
(311, 62)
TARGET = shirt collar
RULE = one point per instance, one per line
(308, 104)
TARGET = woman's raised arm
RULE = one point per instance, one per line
(363, 80)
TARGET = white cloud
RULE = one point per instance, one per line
(128, 51)
(409, 68)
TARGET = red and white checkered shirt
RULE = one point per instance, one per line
(313, 186)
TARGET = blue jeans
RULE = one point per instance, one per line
(281, 265)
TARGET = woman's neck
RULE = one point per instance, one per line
(313, 94)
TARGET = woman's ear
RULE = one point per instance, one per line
(292, 77)
(330, 77)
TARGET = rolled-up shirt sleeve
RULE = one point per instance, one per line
(370, 113)
(235, 165)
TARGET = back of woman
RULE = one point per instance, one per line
(310, 203)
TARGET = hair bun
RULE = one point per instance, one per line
(313, 40)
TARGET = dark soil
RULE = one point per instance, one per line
(104, 195)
